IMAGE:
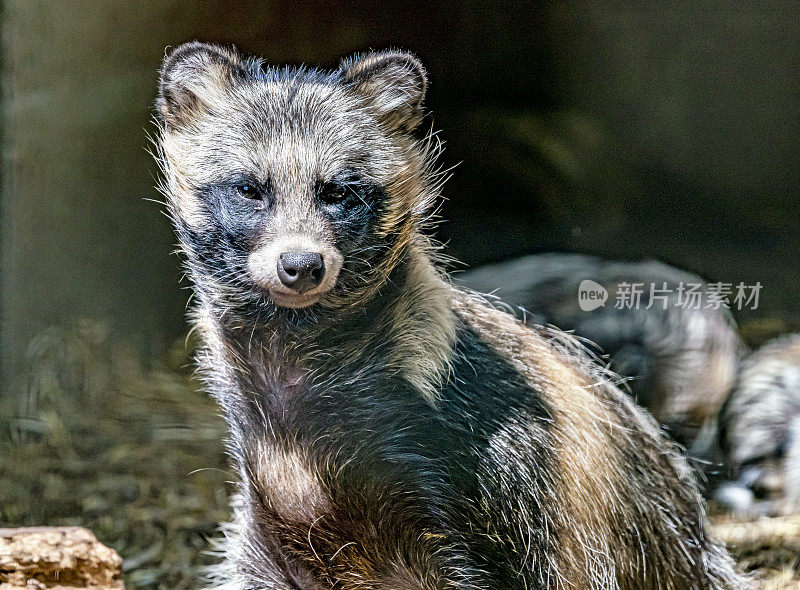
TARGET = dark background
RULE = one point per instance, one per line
(616, 128)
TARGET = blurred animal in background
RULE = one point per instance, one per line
(760, 431)
(658, 325)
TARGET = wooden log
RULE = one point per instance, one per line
(58, 558)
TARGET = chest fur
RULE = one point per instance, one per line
(288, 480)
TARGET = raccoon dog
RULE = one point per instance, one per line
(682, 359)
(390, 431)
(760, 431)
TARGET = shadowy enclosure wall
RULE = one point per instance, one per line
(628, 131)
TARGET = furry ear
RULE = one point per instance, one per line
(394, 82)
(192, 76)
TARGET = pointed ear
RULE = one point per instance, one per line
(192, 77)
(394, 82)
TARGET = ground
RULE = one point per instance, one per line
(136, 454)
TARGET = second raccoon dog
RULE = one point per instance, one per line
(389, 430)
(760, 431)
(682, 358)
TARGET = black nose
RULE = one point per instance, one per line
(301, 271)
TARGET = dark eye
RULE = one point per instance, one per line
(333, 194)
(248, 191)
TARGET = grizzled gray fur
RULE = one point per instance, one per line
(760, 431)
(389, 430)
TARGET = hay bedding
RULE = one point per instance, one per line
(93, 438)
(133, 454)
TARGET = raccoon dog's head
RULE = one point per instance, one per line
(293, 191)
